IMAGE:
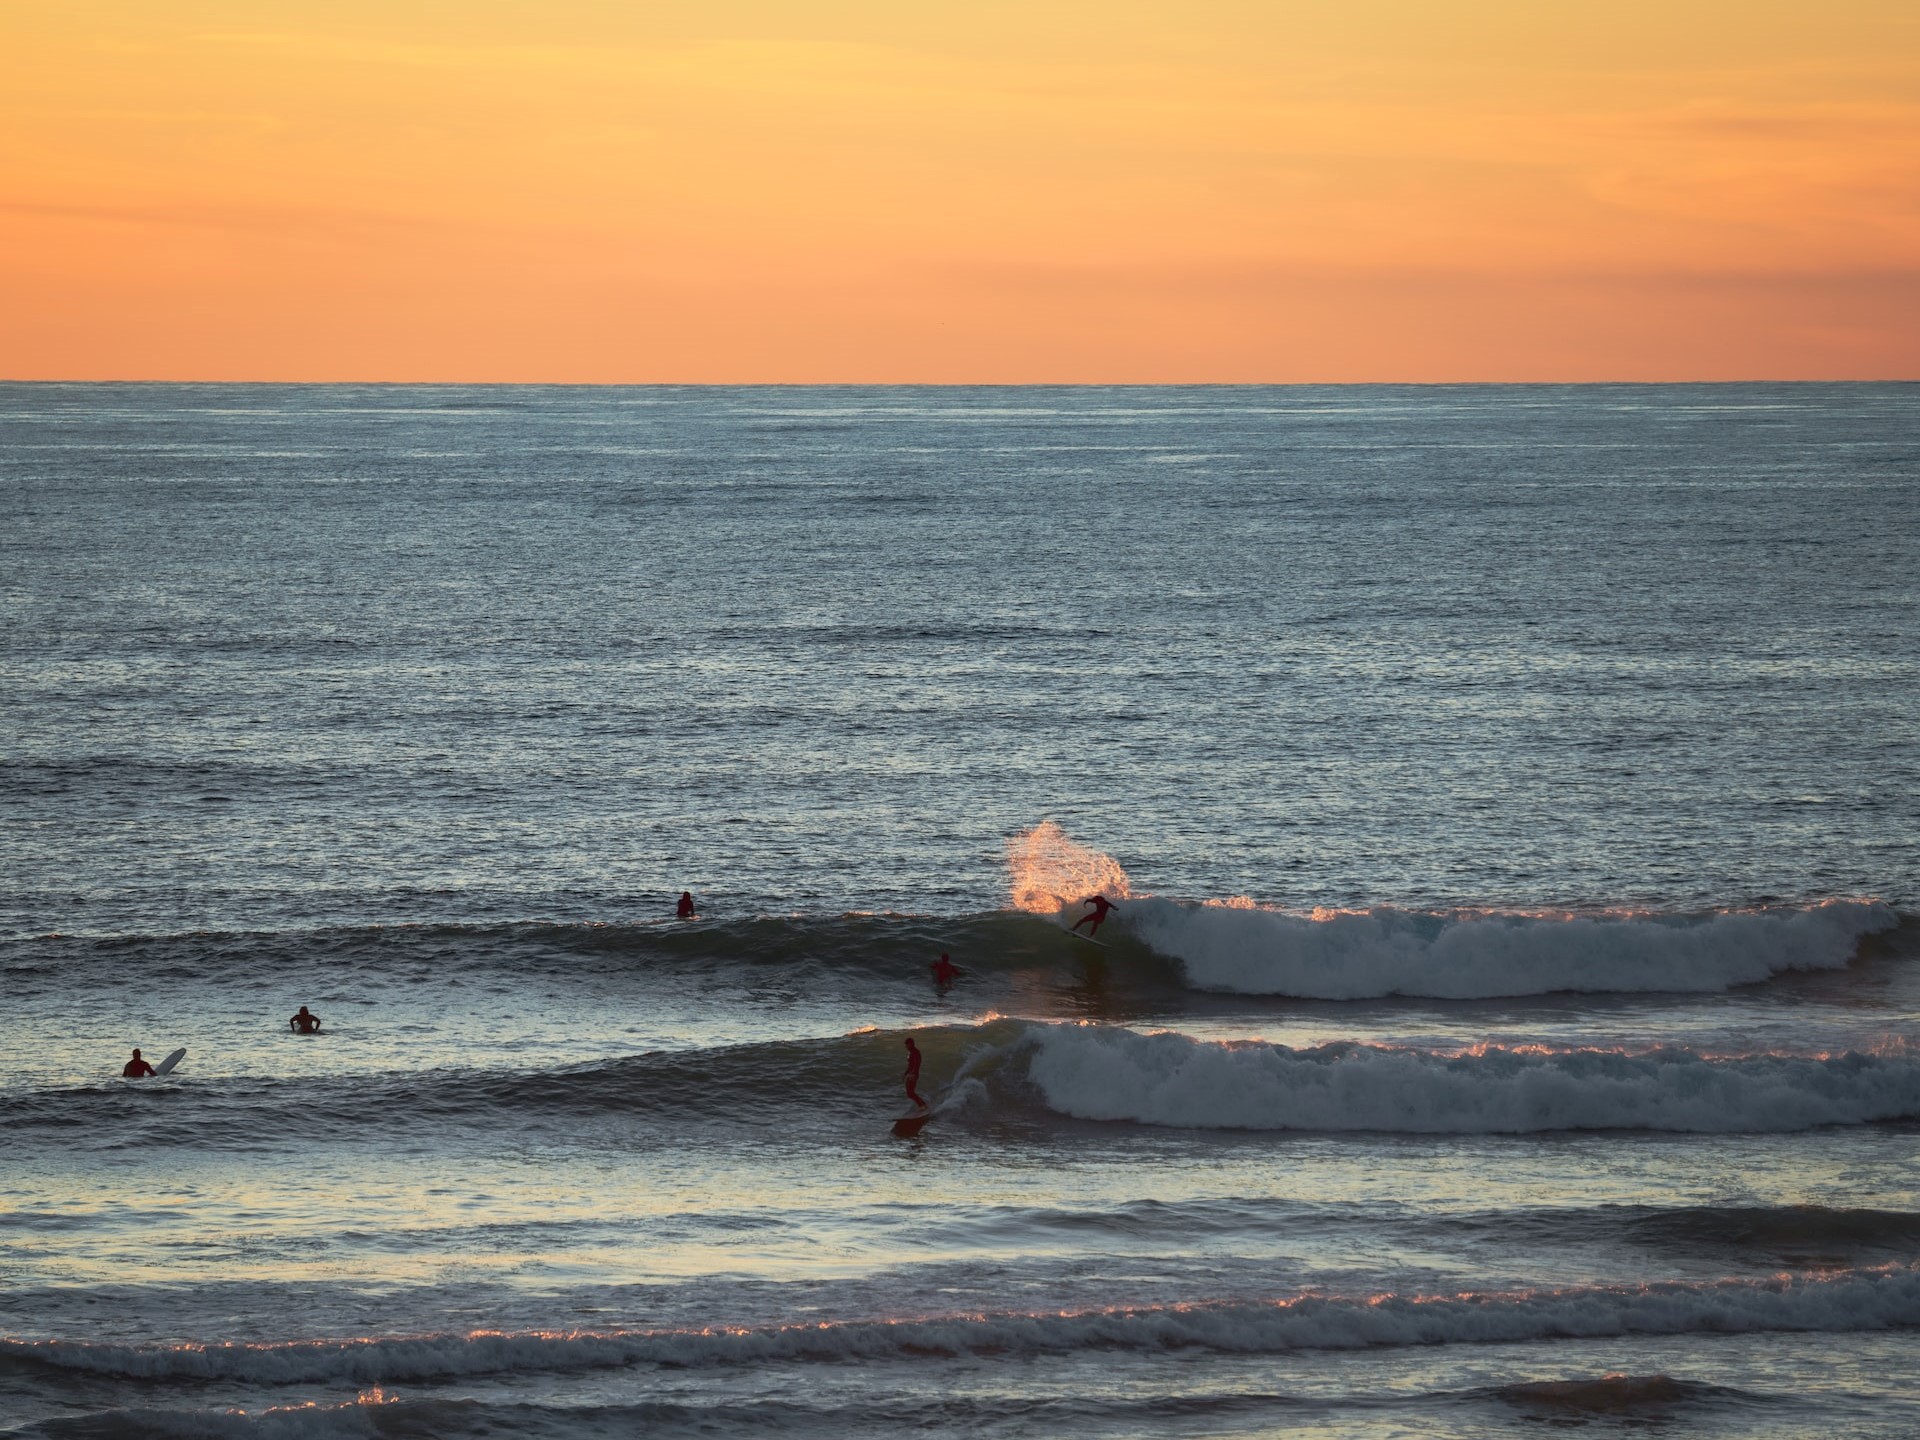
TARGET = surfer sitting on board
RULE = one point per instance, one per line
(303, 1023)
(913, 1074)
(945, 972)
(684, 910)
(1101, 905)
(137, 1069)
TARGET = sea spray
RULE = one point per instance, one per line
(1048, 870)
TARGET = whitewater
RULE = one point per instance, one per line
(1509, 1015)
(1376, 953)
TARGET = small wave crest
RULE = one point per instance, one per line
(1852, 1301)
(1613, 1395)
(1367, 954)
(1799, 1236)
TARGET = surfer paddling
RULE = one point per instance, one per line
(945, 972)
(1101, 905)
(304, 1023)
(138, 1069)
(912, 1077)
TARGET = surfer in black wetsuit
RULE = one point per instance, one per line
(912, 1077)
(303, 1023)
(136, 1068)
(945, 972)
(684, 910)
(1101, 905)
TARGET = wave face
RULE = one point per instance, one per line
(827, 951)
(1850, 1301)
(1171, 1079)
(1377, 953)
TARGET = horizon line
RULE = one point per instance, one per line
(959, 384)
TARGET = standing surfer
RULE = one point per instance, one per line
(945, 972)
(1101, 905)
(912, 1076)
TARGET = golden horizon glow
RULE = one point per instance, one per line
(1057, 191)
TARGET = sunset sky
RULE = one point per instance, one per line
(1217, 190)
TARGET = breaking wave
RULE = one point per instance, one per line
(1000, 1066)
(1110, 1073)
(1160, 948)
(1347, 955)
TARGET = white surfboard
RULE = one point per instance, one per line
(1088, 938)
(165, 1067)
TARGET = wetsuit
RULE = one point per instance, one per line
(913, 1075)
(1101, 905)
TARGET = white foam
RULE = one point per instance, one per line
(1111, 1073)
(1847, 1301)
(1356, 955)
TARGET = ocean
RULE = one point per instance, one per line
(1510, 1018)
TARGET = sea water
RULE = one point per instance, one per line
(1512, 795)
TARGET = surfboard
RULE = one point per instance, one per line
(907, 1126)
(1088, 938)
(165, 1067)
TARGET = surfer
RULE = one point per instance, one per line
(136, 1068)
(304, 1023)
(945, 972)
(684, 910)
(1101, 905)
(912, 1076)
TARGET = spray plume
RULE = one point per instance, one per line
(1048, 869)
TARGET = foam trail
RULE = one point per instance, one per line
(1109, 1073)
(1374, 953)
(1847, 1301)
(1047, 869)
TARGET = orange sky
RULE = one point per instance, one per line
(1232, 190)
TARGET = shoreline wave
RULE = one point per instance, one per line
(1877, 1299)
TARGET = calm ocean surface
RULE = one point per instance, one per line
(1513, 1019)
